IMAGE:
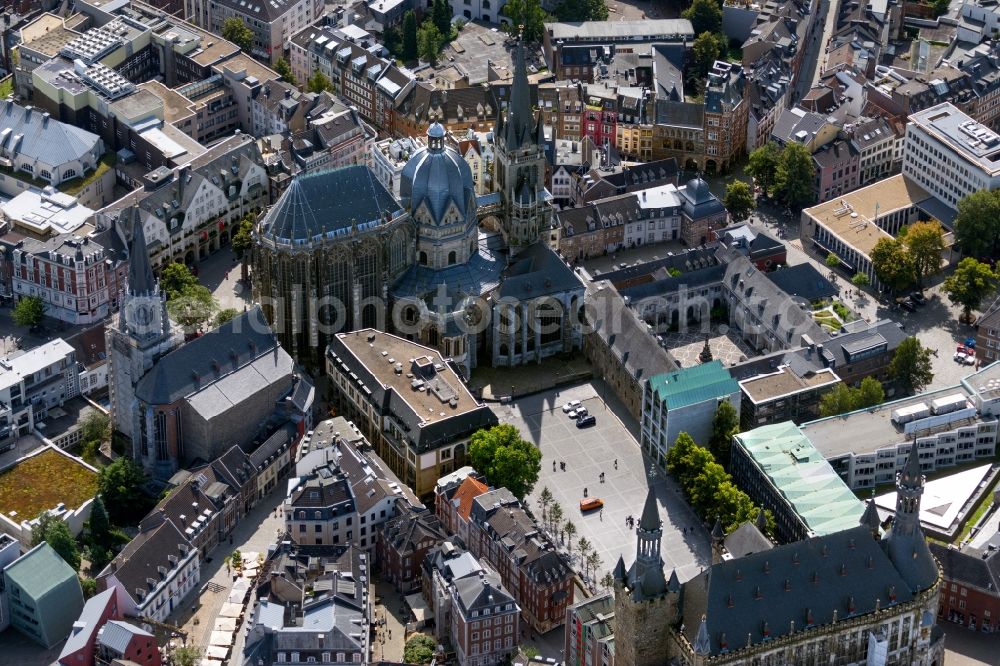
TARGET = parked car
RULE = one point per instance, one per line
(918, 297)
(591, 503)
(586, 421)
(908, 305)
(962, 349)
(970, 359)
(961, 358)
(578, 412)
(571, 405)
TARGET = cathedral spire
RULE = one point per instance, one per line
(650, 520)
(909, 488)
(140, 274)
(518, 128)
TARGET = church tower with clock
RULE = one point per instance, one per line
(140, 333)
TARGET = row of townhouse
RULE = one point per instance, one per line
(499, 532)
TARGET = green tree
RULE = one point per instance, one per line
(725, 425)
(607, 581)
(705, 16)
(505, 459)
(175, 278)
(192, 307)
(185, 655)
(54, 531)
(419, 650)
(977, 225)
(544, 500)
(940, 7)
(702, 490)
(29, 311)
(120, 486)
(971, 282)
(242, 243)
(526, 17)
(224, 316)
(284, 70)
(892, 263)
(584, 547)
(429, 41)
(593, 562)
(911, 366)
(99, 525)
(924, 242)
(795, 175)
(441, 15)
(89, 586)
(705, 51)
(739, 200)
(570, 530)
(860, 280)
(582, 10)
(762, 165)
(869, 394)
(840, 400)
(832, 260)
(318, 83)
(409, 36)
(236, 31)
(556, 516)
(96, 426)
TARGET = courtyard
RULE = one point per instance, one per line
(725, 344)
(589, 451)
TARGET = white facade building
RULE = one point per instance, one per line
(34, 381)
(950, 155)
(389, 156)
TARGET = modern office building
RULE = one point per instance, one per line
(44, 595)
(684, 401)
(782, 471)
(950, 155)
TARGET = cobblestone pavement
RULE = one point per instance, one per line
(588, 452)
(725, 347)
(963, 647)
(255, 532)
(221, 274)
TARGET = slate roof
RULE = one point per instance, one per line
(689, 386)
(438, 178)
(44, 139)
(141, 557)
(759, 596)
(537, 271)
(746, 540)
(837, 349)
(479, 592)
(90, 346)
(804, 281)
(192, 367)
(324, 202)
(90, 618)
(625, 334)
(405, 531)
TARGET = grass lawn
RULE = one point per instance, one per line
(75, 186)
(43, 481)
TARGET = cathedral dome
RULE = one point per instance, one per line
(438, 177)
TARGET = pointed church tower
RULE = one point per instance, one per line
(646, 603)
(905, 542)
(519, 164)
(139, 335)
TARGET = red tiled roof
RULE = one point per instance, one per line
(468, 491)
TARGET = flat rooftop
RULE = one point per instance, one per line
(973, 141)
(852, 216)
(943, 497)
(175, 105)
(785, 382)
(394, 361)
(47, 212)
(798, 471)
(242, 61)
(47, 34)
(622, 31)
(866, 430)
(43, 480)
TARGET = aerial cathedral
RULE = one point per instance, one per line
(338, 252)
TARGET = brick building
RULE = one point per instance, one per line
(970, 585)
(485, 623)
(403, 544)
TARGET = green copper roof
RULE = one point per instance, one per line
(803, 477)
(40, 571)
(689, 386)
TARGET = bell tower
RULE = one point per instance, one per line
(646, 603)
(519, 164)
(138, 335)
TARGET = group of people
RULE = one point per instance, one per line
(562, 465)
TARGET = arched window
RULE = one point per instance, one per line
(486, 4)
(423, 258)
(452, 257)
(45, 175)
(69, 173)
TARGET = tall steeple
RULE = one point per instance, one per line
(520, 126)
(140, 273)
(909, 488)
(646, 578)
